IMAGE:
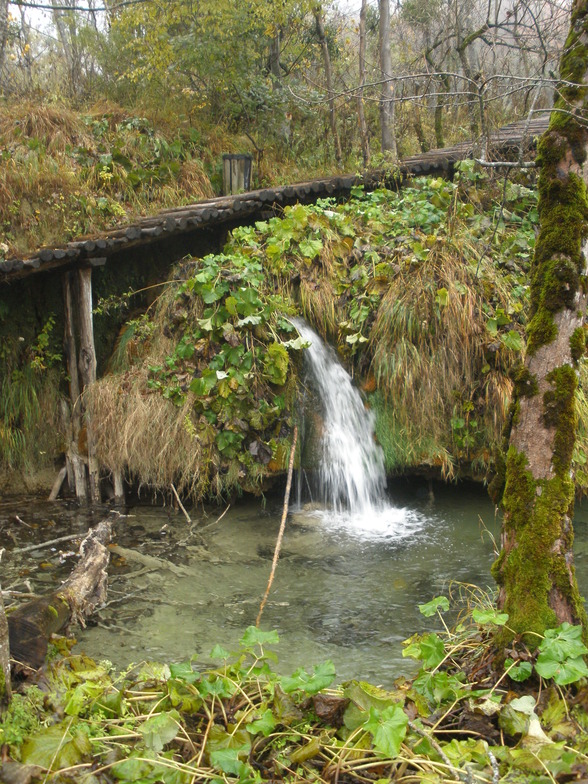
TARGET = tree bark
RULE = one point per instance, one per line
(535, 569)
(5, 690)
(320, 29)
(387, 92)
(32, 624)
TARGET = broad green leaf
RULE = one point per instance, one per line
(442, 297)
(512, 340)
(563, 673)
(310, 248)
(429, 649)
(160, 730)
(519, 672)
(250, 321)
(254, 636)
(492, 326)
(184, 672)
(438, 604)
(439, 687)
(218, 653)
(322, 676)
(563, 642)
(276, 363)
(55, 747)
(264, 725)
(227, 750)
(388, 729)
(491, 616)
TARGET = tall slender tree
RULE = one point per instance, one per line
(363, 129)
(387, 93)
(322, 36)
(535, 569)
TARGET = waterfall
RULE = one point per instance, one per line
(351, 471)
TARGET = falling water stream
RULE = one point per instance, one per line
(351, 486)
(351, 471)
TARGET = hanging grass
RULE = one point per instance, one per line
(437, 367)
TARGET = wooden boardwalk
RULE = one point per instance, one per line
(179, 227)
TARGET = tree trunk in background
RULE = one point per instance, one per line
(535, 569)
(65, 24)
(363, 130)
(3, 37)
(320, 30)
(387, 92)
(274, 60)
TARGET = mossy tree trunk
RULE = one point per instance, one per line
(5, 693)
(535, 569)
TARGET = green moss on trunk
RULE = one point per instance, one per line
(531, 573)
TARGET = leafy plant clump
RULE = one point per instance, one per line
(423, 292)
(208, 401)
(457, 719)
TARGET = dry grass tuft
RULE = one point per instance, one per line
(147, 435)
(53, 124)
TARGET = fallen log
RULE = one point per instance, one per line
(31, 625)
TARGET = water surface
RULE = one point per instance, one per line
(341, 592)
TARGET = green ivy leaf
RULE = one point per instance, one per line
(254, 636)
(388, 729)
(264, 725)
(322, 676)
(491, 616)
(438, 604)
(160, 730)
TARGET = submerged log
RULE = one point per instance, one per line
(32, 624)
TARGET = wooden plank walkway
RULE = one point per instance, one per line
(229, 211)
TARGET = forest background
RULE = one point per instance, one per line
(307, 87)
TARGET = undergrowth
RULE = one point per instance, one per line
(461, 718)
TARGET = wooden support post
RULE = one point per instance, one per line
(87, 363)
(75, 464)
(119, 488)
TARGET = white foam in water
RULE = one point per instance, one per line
(384, 523)
(352, 478)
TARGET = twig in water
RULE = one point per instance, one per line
(48, 543)
(181, 505)
(218, 519)
(282, 526)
